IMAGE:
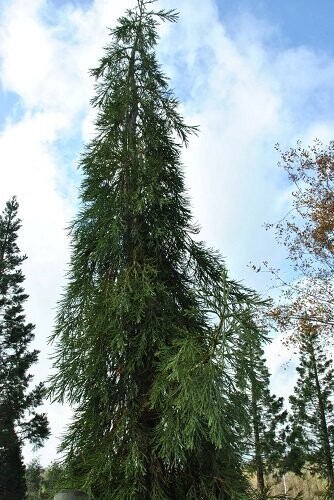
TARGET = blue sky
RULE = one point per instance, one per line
(250, 74)
(296, 22)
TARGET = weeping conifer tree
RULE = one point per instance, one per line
(138, 351)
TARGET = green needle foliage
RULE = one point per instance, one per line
(312, 411)
(264, 441)
(34, 479)
(143, 349)
(19, 420)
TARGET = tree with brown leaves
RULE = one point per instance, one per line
(307, 232)
(306, 310)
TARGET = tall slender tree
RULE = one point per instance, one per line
(312, 411)
(34, 479)
(263, 429)
(266, 445)
(19, 420)
(139, 353)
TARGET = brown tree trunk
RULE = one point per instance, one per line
(258, 456)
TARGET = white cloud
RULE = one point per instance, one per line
(282, 363)
(244, 95)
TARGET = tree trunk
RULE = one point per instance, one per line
(258, 456)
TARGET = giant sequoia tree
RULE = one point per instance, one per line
(19, 420)
(139, 347)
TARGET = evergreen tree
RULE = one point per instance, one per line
(312, 412)
(18, 419)
(139, 354)
(267, 420)
(264, 429)
(52, 480)
(34, 479)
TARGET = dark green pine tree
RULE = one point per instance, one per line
(52, 480)
(263, 428)
(19, 420)
(266, 445)
(312, 411)
(34, 480)
(138, 352)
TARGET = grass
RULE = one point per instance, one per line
(307, 487)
